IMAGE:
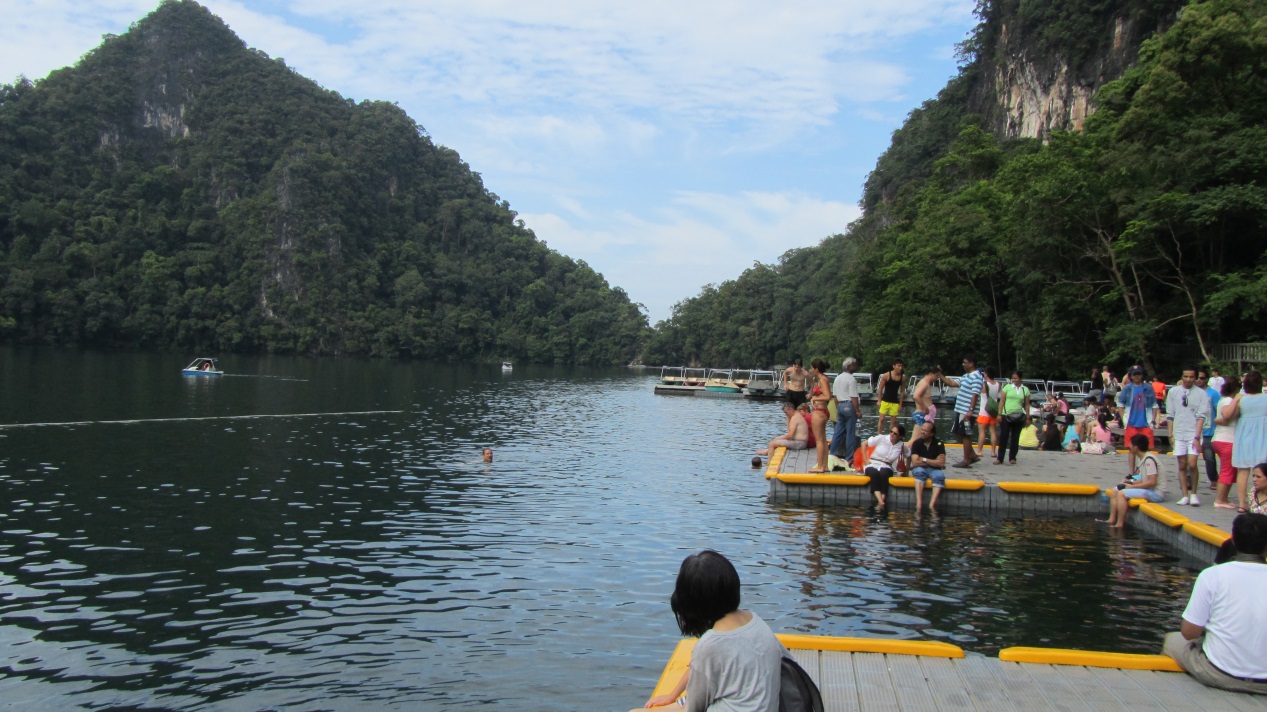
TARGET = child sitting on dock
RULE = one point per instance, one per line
(737, 663)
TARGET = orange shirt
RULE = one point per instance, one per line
(1160, 389)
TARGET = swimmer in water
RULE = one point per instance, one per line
(488, 454)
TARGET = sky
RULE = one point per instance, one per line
(669, 145)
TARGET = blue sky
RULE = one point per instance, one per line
(668, 145)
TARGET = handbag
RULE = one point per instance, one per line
(1017, 418)
(797, 691)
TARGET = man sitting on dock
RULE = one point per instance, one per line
(928, 461)
(1220, 642)
(797, 435)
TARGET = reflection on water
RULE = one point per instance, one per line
(339, 562)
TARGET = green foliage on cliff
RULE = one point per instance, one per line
(1146, 227)
(177, 189)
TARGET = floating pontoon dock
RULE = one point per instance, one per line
(1042, 484)
(883, 674)
(867, 674)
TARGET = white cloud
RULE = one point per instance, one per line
(620, 131)
(698, 238)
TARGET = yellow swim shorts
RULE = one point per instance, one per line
(887, 408)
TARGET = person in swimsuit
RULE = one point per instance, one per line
(797, 435)
(819, 397)
(892, 389)
(794, 378)
(925, 411)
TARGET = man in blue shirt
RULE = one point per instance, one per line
(1137, 407)
(1207, 435)
(966, 407)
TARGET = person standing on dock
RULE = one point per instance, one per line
(925, 411)
(1187, 412)
(844, 440)
(969, 385)
(892, 388)
(1220, 642)
(1137, 407)
(1013, 416)
(794, 377)
(1207, 435)
(819, 397)
(1216, 380)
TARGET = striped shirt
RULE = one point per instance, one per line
(969, 386)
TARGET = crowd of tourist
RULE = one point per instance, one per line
(1211, 422)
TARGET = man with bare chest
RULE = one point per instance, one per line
(794, 378)
(925, 411)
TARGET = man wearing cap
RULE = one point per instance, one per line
(1137, 407)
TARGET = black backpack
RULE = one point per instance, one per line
(797, 692)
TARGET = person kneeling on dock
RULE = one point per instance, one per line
(886, 452)
(797, 435)
(928, 461)
(1143, 483)
(1220, 642)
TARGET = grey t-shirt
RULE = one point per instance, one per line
(736, 670)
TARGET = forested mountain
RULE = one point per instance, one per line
(1015, 217)
(176, 189)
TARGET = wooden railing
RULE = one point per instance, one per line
(1252, 353)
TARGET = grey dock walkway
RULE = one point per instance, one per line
(907, 683)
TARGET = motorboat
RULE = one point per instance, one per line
(202, 367)
(719, 381)
(866, 387)
(672, 376)
(1072, 390)
(762, 384)
(507, 366)
(1037, 387)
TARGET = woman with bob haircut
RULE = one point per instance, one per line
(737, 662)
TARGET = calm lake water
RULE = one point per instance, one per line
(186, 559)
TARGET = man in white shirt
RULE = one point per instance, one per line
(1216, 381)
(1187, 412)
(844, 440)
(1222, 641)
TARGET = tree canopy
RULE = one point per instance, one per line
(176, 189)
(1147, 227)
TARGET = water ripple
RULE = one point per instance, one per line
(376, 561)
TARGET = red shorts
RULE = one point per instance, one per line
(1146, 432)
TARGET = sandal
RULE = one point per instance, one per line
(1242, 510)
(1221, 505)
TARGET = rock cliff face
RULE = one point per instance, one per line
(1028, 90)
